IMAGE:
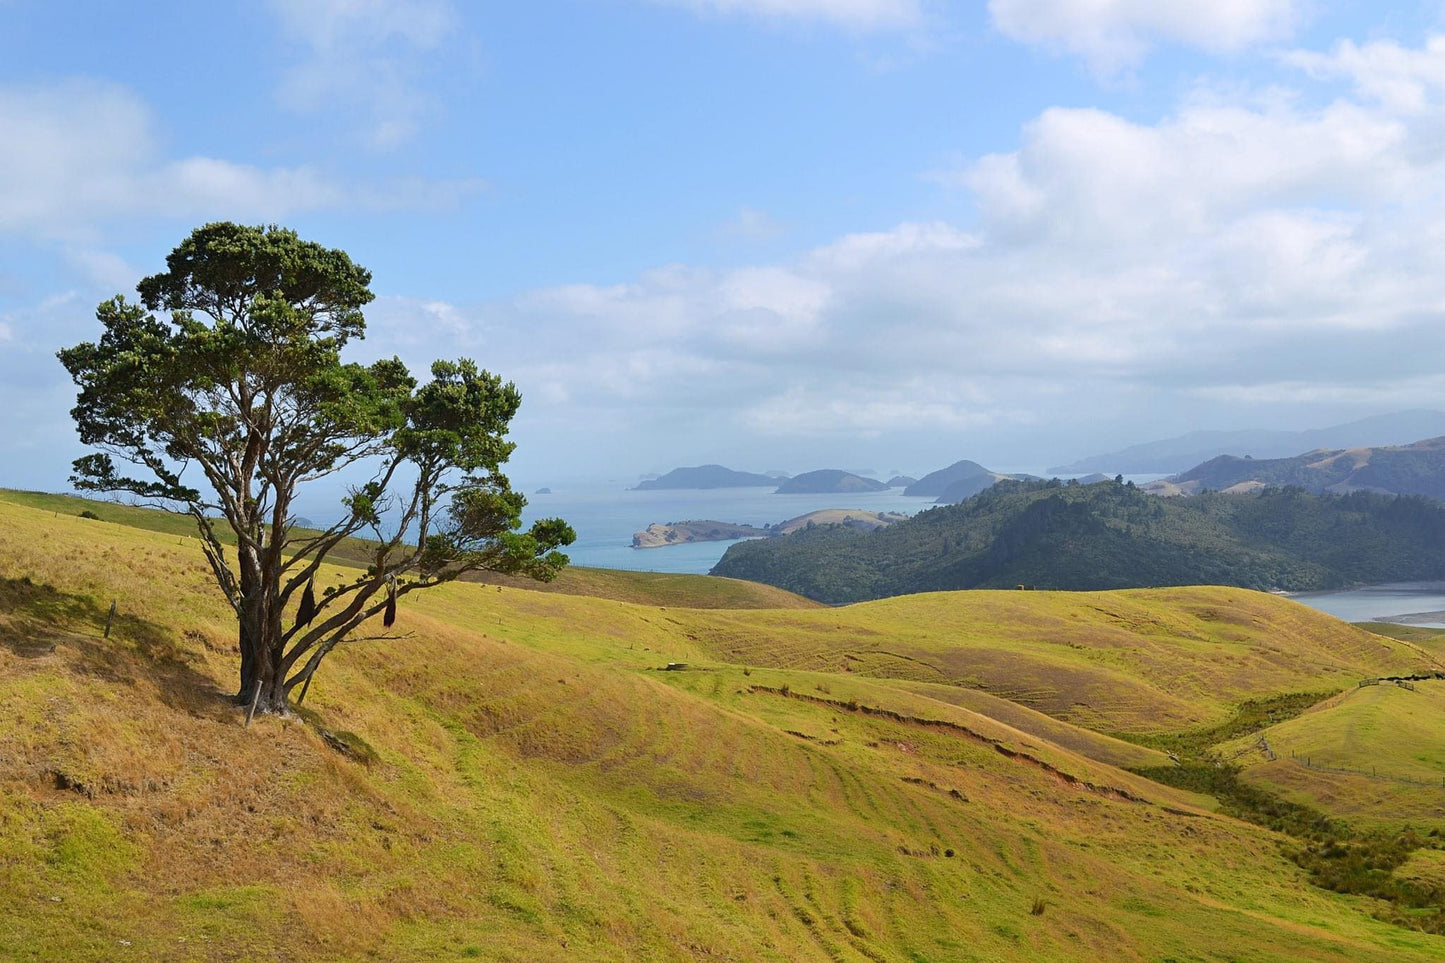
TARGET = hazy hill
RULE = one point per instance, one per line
(1415, 469)
(1111, 536)
(706, 476)
(519, 782)
(1178, 454)
(829, 481)
(957, 482)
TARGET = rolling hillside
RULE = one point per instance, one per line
(1373, 753)
(1106, 536)
(1414, 469)
(520, 782)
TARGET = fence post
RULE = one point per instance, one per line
(254, 699)
(109, 619)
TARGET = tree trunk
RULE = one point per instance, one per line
(263, 667)
(260, 634)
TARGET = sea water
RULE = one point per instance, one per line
(606, 518)
(1415, 603)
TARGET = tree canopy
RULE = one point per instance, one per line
(223, 392)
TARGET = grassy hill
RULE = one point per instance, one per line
(1106, 536)
(1129, 661)
(522, 782)
(1373, 753)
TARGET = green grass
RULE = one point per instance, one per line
(1128, 661)
(1374, 754)
(541, 791)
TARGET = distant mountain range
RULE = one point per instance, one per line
(947, 486)
(1106, 536)
(1184, 452)
(1414, 469)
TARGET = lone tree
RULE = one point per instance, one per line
(227, 406)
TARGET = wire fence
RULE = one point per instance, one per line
(1371, 773)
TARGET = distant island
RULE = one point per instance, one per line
(1414, 469)
(1110, 535)
(1182, 453)
(706, 477)
(707, 530)
(901, 481)
(543, 491)
(829, 481)
(959, 481)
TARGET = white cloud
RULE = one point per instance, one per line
(1402, 80)
(79, 153)
(1086, 171)
(1241, 251)
(363, 57)
(853, 15)
(870, 412)
(1112, 34)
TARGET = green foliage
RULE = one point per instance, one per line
(1252, 715)
(227, 406)
(1107, 536)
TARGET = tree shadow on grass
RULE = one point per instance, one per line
(39, 618)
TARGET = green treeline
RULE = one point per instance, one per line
(1052, 535)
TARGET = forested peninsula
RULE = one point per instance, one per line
(1107, 536)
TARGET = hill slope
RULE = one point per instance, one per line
(1414, 469)
(1373, 753)
(958, 482)
(1181, 453)
(1103, 536)
(523, 786)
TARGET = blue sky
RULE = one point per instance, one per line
(780, 234)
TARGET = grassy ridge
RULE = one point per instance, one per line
(1133, 661)
(541, 791)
